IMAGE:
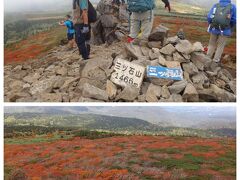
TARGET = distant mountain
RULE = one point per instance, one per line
(190, 117)
(200, 3)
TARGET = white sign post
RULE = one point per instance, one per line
(127, 73)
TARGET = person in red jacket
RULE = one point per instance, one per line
(167, 5)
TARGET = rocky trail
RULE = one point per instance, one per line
(62, 76)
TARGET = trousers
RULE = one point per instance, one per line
(216, 45)
(141, 22)
(80, 39)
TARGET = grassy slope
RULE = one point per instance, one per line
(146, 157)
(33, 46)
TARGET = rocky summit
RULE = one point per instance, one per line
(62, 76)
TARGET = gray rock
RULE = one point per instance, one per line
(68, 82)
(190, 94)
(153, 93)
(190, 68)
(223, 95)
(197, 46)
(74, 72)
(159, 33)
(173, 64)
(179, 58)
(161, 82)
(90, 91)
(50, 97)
(162, 60)
(18, 68)
(184, 46)
(172, 40)
(83, 99)
(16, 85)
(165, 92)
(175, 98)
(142, 62)
(144, 87)
(19, 74)
(154, 63)
(129, 93)
(32, 78)
(145, 51)
(177, 87)
(133, 51)
(154, 55)
(62, 71)
(58, 83)
(232, 86)
(111, 89)
(201, 59)
(42, 86)
(155, 44)
(168, 49)
(142, 98)
(14, 96)
(200, 78)
(187, 77)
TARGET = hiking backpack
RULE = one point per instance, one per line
(77, 18)
(71, 25)
(221, 17)
(92, 13)
(140, 5)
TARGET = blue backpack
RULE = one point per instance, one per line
(140, 5)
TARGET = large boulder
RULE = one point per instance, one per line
(190, 68)
(184, 46)
(43, 86)
(168, 49)
(90, 91)
(190, 94)
(153, 93)
(159, 34)
(129, 93)
(177, 87)
(111, 89)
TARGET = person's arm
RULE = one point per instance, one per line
(84, 8)
(61, 23)
(85, 16)
(233, 16)
(210, 15)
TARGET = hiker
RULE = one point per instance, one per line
(81, 26)
(167, 5)
(70, 30)
(141, 19)
(221, 19)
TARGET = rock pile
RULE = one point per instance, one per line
(62, 76)
(203, 80)
(112, 23)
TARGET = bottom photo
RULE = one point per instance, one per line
(119, 142)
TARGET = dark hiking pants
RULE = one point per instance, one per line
(80, 39)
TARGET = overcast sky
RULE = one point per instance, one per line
(28, 5)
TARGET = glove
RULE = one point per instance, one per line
(85, 29)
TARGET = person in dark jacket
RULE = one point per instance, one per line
(218, 36)
(81, 25)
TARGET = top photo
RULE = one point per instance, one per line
(120, 51)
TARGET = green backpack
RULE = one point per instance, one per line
(222, 17)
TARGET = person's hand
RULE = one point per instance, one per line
(85, 29)
(169, 7)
